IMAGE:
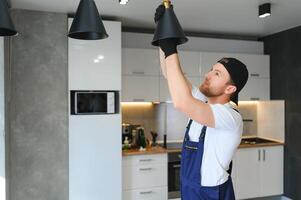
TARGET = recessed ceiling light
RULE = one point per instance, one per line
(264, 10)
(96, 61)
(123, 2)
(100, 57)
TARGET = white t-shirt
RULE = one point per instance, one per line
(220, 143)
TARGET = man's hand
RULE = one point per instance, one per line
(168, 45)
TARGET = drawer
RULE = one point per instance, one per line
(135, 177)
(155, 193)
(144, 159)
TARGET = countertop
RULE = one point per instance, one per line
(159, 149)
(148, 150)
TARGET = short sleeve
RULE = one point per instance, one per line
(196, 93)
(225, 117)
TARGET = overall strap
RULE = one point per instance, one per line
(203, 133)
(187, 129)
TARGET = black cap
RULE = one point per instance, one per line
(238, 73)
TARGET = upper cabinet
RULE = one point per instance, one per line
(209, 59)
(96, 64)
(140, 61)
(141, 71)
(258, 65)
(190, 62)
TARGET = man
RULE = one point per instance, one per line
(215, 127)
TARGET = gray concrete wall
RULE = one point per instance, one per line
(37, 112)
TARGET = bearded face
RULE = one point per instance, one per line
(216, 81)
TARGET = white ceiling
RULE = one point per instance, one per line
(231, 17)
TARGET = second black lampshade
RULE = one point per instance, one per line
(87, 23)
(6, 25)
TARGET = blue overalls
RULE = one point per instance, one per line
(191, 162)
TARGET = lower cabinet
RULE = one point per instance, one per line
(259, 172)
(144, 177)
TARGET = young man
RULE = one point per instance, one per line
(215, 127)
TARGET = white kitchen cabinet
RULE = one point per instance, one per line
(164, 92)
(256, 89)
(247, 173)
(96, 63)
(258, 65)
(140, 61)
(208, 59)
(259, 172)
(145, 177)
(140, 88)
(94, 140)
(272, 171)
(155, 193)
(190, 62)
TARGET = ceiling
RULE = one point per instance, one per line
(229, 17)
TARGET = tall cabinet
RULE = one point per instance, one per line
(2, 133)
(95, 140)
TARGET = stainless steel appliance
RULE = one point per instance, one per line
(174, 166)
(94, 102)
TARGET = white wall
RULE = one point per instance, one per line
(142, 40)
(2, 140)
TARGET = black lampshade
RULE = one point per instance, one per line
(169, 27)
(264, 10)
(6, 25)
(87, 23)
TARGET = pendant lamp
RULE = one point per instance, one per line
(87, 23)
(169, 27)
(6, 25)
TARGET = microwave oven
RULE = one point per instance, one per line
(94, 102)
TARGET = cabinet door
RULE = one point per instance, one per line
(140, 88)
(258, 65)
(256, 89)
(209, 59)
(96, 64)
(164, 92)
(140, 61)
(272, 171)
(155, 193)
(247, 173)
(190, 62)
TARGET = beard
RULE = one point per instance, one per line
(208, 91)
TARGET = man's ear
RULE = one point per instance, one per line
(230, 89)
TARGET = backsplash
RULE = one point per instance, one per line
(164, 118)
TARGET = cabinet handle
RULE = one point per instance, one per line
(259, 155)
(146, 192)
(255, 98)
(263, 154)
(145, 169)
(254, 75)
(138, 99)
(145, 160)
(176, 166)
(140, 73)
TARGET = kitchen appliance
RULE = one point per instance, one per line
(127, 132)
(174, 166)
(94, 102)
(141, 139)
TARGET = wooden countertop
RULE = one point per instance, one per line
(159, 149)
(148, 150)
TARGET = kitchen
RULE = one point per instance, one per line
(52, 153)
